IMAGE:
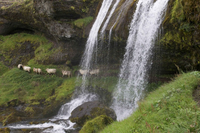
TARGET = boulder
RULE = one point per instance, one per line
(90, 110)
(96, 124)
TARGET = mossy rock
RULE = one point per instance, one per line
(81, 23)
(12, 117)
(90, 110)
(4, 130)
(96, 124)
(180, 41)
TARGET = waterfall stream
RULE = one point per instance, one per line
(88, 58)
(60, 123)
(146, 21)
(132, 78)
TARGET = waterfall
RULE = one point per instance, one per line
(132, 78)
(122, 9)
(92, 42)
(146, 21)
(80, 96)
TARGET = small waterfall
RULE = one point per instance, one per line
(108, 18)
(147, 19)
(122, 9)
(90, 53)
(132, 78)
(61, 123)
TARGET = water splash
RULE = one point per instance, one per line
(60, 123)
(132, 79)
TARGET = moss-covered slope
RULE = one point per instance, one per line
(28, 95)
(170, 108)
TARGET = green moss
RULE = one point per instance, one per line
(177, 12)
(19, 3)
(97, 124)
(181, 27)
(44, 52)
(4, 130)
(29, 110)
(3, 68)
(81, 23)
(170, 37)
(8, 118)
(13, 45)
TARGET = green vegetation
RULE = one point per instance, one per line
(170, 108)
(66, 88)
(18, 84)
(107, 83)
(12, 46)
(3, 68)
(17, 3)
(96, 124)
(177, 11)
(181, 26)
(81, 23)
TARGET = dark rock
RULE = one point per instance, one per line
(90, 110)
(4, 130)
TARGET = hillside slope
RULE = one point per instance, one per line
(170, 108)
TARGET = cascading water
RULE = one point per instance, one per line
(92, 42)
(60, 123)
(123, 9)
(132, 79)
(141, 39)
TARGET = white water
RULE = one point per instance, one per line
(60, 122)
(123, 9)
(63, 115)
(108, 18)
(127, 97)
(92, 41)
(132, 79)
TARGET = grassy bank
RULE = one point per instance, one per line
(170, 108)
(18, 84)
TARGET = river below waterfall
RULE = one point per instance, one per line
(57, 124)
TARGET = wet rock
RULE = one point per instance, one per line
(31, 130)
(90, 110)
(4, 130)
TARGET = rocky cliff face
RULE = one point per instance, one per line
(62, 22)
(181, 30)
(66, 23)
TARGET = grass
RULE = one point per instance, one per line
(83, 22)
(170, 108)
(66, 88)
(3, 68)
(11, 45)
(18, 84)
